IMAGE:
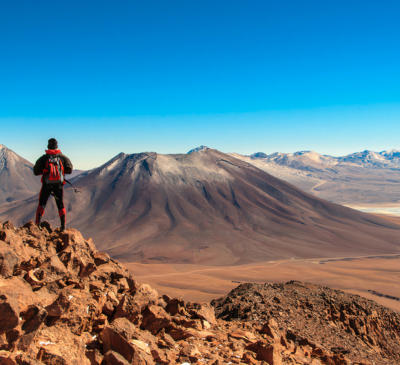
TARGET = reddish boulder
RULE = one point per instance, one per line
(270, 353)
(76, 309)
(9, 260)
(178, 332)
(118, 338)
(131, 306)
(165, 340)
(203, 311)
(33, 319)
(174, 306)
(94, 356)
(155, 318)
(101, 258)
(188, 323)
(24, 359)
(58, 345)
(114, 358)
(21, 290)
(271, 329)
(52, 270)
(6, 358)
(189, 353)
(9, 313)
(124, 327)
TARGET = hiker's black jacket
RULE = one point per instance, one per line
(40, 164)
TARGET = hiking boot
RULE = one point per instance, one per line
(63, 228)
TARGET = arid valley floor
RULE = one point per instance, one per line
(358, 275)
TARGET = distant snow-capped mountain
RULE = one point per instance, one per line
(310, 160)
(197, 149)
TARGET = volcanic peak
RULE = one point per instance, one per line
(198, 149)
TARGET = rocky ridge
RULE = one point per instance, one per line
(312, 319)
(63, 302)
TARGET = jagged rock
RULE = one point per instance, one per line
(76, 254)
(155, 318)
(9, 313)
(101, 258)
(6, 359)
(270, 328)
(189, 353)
(33, 319)
(24, 359)
(202, 310)
(120, 337)
(131, 306)
(94, 356)
(114, 358)
(178, 332)
(9, 260)
(246, 336)
(188, 323)
(57, 345)
(295, 313)
(76, 308)
(165, 340)
(269, 353)
(52, 270)
(174, 306)
(112, 340)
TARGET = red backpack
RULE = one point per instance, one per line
(54, 171)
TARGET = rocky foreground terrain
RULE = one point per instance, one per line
(63, 302)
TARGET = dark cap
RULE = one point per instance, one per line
(53, 144)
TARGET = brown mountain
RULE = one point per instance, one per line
(16, 177)
(209, 208)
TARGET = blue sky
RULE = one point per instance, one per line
(165, 75)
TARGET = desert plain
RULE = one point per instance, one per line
(361, 275)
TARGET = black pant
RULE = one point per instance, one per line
(57, 191)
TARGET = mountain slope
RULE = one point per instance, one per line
(208, 207)
(16, 177)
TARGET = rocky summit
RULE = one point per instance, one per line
(64, 303)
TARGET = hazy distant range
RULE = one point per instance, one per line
(369, 181)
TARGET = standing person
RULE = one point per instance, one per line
(52, 166)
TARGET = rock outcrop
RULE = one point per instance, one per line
(63, 302)
(315, 321)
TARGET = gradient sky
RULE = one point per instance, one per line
(105, 77)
